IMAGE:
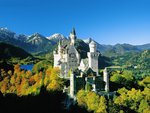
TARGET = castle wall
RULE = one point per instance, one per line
(72, 58)
(56, 59)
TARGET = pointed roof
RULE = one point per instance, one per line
(73, 31)
(90, 72)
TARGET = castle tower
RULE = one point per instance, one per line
(93, 57)
(57, 56)
(106, 79)
(72, 85)
(72, 36)
(59, 48)
(73, 55)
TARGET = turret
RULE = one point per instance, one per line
(72, 37)
(57, 56)
(93, 57)
(72, 85)
(92, 46)
(59, 48)
(106, 79)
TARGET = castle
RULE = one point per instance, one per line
(80, 72)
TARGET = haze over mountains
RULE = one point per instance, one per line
(39, 43)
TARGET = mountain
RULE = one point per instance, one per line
(141, 60)
(37, 43)
(118, 49)
(137, 62)
(8, 51)
(34, 43)
(137, 59)
(5, 33)
(144, 47)
(56, 37)
(100, 47)
(10, 37)
(37, 39)
(22, 37)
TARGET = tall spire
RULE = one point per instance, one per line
(73, 31)
(73, 36)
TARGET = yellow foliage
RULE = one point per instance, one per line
(145, 82)
(81, 98)
(92, 101)
(12, 80)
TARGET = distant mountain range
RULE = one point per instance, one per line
(33, 43)
(37, 43)
(118, 49)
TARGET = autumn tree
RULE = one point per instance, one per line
(92, 101)
(81, 98)
(136, 100)
(55, 82)
(123, 79)
(145, 82)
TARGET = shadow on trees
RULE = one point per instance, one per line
(45, 102)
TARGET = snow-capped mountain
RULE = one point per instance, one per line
(88, 40)
(5, 33)
(39, 43)
(56, 37)
(21, 37)
(33, 43)
(37, 39)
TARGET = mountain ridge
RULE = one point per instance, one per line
(39, 43)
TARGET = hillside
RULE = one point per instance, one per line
(143, 47)
(138, 63)
(8, 51)
(32, 44)
(41, 43)
(134, 59)
(120, 49)
(10, 55)
(141, 60)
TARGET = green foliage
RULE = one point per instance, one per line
(145, 82)
(82, 48)
(120, 49)
(136, 100)
(41, 66)
(10, 55)
(88, 87)
(8, 51)
(137, 62)
(123, 78)
(92, 101)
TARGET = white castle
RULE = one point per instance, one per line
(68, 59)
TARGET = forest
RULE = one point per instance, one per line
(41, 89)
(20, 86)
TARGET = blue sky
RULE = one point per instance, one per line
(106, 21)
